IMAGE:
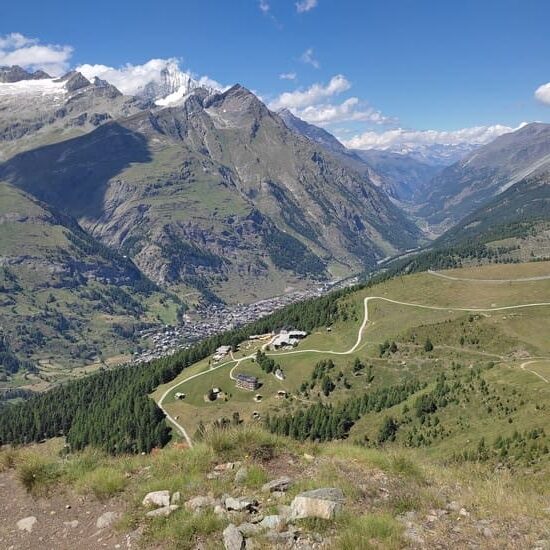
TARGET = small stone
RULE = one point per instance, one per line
(68, 507)
(309, 457)
(464, 512)
(232, 538)
(453, 506)
(319, 503)
(106, 519)
(219, 510)
(157, 498)
(487, 533)
(277, 485)
(276, 523)
(200, 502)
(240, 504)
(162, 512)
(26, 524)
(241, 475)
(227, 466)
(72, 524)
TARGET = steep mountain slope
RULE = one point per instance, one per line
(216, 193)
(65, 299)
(492, 169)
(512, 213)
(36, 110)
(400, 176)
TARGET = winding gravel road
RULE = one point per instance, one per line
(332, 352)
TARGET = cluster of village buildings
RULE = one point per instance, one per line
(215, 318)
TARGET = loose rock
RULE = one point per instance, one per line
(157, 498)
(240, 504)
(232, 538)
(200, 502)
(26, 524)
(241, 475)
(164, 511)
(320, 503)
(281, 484)
(106, 519)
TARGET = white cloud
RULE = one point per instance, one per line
(305, 5)
(17, 49)
(350, 110)
(308, 58)
(288, 76)
(411, 139)
(313, 105)
(264, 6)
(129, 79)
(542, 93)
(312, 95)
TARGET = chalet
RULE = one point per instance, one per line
(221, 352)
(288, 338)
(246, 382)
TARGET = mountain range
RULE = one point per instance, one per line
(185, 189)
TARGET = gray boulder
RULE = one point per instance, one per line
(165, 511)
(200, 502)
(277, 485)
(240, 504)
(319, 503)
(232, 538)
(157, 498)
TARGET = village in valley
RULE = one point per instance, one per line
(215, 318)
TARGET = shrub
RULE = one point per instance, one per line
(103, 482)
(36, 473)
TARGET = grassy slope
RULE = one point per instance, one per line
(507, 338)
(42, 283)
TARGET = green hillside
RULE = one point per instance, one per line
(68, 304)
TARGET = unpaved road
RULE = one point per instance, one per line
(332, 352)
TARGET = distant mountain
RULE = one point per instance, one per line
(35, 110)
(398, 174)
(173, 86)
(218, 194)
(511, 213)
(406, 178)
(490, 170)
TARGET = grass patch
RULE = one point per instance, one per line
(37, 473)
(183, 529)
(103, 482)
(371, 531)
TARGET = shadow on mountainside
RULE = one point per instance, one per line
(73, 175)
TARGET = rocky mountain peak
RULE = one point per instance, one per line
(16, 73)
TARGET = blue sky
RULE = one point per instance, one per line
(378, 65)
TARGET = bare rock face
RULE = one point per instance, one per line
(157, 499)
(319, 503)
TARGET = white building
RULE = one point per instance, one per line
(287, 338)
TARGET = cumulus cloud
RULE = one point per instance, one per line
(29, 53)
(288, 76)
(305, 5)
(411, 139)
(350, 110)
(264, 6)
(308, 58)
(129, 79)
(313, 104)
(542, 93)
(312, 95)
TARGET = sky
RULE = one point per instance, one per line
(373, 72)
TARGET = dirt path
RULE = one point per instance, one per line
(523, 365)
(64, 520)
(331, 352)
(521, 280)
